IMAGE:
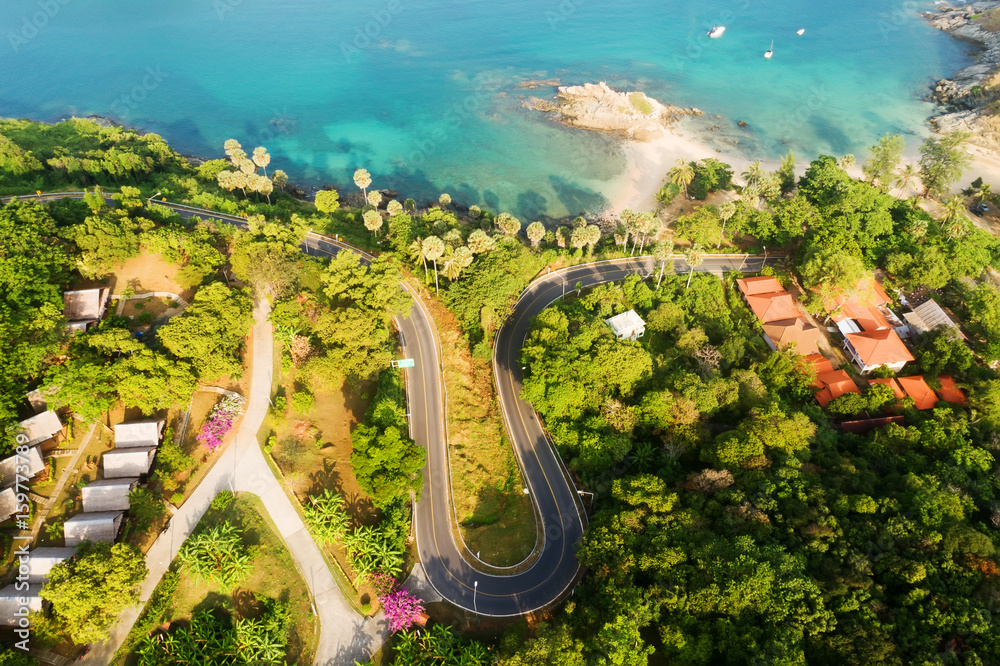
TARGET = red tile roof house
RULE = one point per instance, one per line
(784, 323)
(870, 338)
(949, 392)
(913, 387)
(834, 384)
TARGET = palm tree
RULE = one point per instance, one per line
(433, 249)
(578, 238)
(451, 268)
(592, 235)
(649, 225)
(265, 187)
(261, 158)
(509, 224)
(906, 177)
(226, 180)
(417, 254)
(374, 199)
(847, 161)
(363, 179)
(982, 192)
(535, 232)
(394, 208)
(952, 210)
(726, 211)
(753, 176)
(463, 255)
(682, 175)
(662, 253)
(230, 145)
(694, 257)
(247, 166)
(373, 221)
(444, 200)
(479, 242)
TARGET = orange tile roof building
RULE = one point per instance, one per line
(834, 384)
(949, 392)
(773, 306)
(762, 284)
(798, 331)
(912, 387)
(873, 349)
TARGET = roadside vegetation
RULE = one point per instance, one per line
(233, 595)
(734, 516)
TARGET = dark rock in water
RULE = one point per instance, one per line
(460, 208)
(330, 188)
(743, 123)
(389, 194)
(297, 192)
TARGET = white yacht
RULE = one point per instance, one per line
(716, 31)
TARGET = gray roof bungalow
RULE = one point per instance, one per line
(107, 494)
(41, 561)
(929, 316)
(8, 504)
(97, 526)
(138, 434)
(8, 466)
(84, 307)
(40, 427)
(125, 463)
(10, 603)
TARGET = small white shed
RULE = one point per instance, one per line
(11, 605)
(138, 434)
(97, 526)
(41, 561)
(627, 325)
(122, 463)
(8, 466)
(108, 494)
(40, 427)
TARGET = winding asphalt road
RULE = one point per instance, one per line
(555, 569)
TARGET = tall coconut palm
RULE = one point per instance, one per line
(509, 224)
(452, 238)
(433, 249)
(236, 156)
(444, 200)
(451, 268)
(726, 211)
(240, 180)
(417, 254)
(628, 224)
(226, 180)
(953, 216)
(682, 175)
(753, 176)
(592, 235)
(247, 166)
(562, 236)
(280, 179)
(694, 258)
(662, 252)
(479, 242)
(230, 145)
(906, 177)
(981, 193)
(374, 198)
(649, 226)
(578, 238)
(535, 232)
(847, 161)
(394, 208)
(265, 187)
(261, 158)
(372, 220)
(363, 179)
(463, 255)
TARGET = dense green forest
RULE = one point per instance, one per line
(734, 520)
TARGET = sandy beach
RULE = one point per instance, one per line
(649, 162)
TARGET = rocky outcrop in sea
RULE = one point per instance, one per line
(595, 106)
(968, 96)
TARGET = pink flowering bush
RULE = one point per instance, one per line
(401, 609)
(220, 422)
(383, 583)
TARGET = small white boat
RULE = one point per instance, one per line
(716, 31)
(800, 32)
(770, 52)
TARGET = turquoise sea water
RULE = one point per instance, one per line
(425, 94)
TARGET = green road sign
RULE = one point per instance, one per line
(404, 363)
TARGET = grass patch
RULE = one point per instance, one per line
(640, 102)
(495, 516)
(180, 594)
(989, 20)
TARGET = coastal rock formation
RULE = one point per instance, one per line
(969, 96)
(595, 106)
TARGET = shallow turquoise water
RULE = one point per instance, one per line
(425, 94)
